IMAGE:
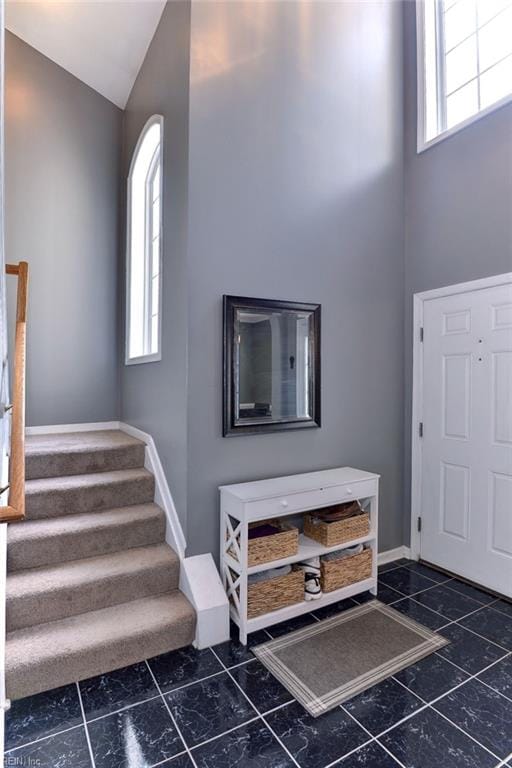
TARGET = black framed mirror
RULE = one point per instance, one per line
(271, 365)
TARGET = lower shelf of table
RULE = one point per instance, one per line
(297, 609)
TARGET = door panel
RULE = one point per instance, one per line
(501, 316)
(457, 322)
(500, 533)
(500, 392)
(456, 396)
(454, 500)
(466, 494)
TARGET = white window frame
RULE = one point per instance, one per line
(158, 156)
(422, 142)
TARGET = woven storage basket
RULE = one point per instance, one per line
(330, 534)
(273, 594)
(284, 543)
(335, 574)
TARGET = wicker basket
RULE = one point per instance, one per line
(330, 534)
(284, 543)
(335, 574)
(276, 593)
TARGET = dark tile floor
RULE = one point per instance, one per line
(220, 708)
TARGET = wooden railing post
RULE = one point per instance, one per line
(16, 504)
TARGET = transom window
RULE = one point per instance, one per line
(464, 62)
(144, 246)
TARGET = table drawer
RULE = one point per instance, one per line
(300, 502)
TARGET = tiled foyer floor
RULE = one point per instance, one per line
(219, 708)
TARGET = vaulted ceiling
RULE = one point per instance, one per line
(101, 42)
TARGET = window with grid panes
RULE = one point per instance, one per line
(464, 62)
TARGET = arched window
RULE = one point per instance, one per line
(143, 301)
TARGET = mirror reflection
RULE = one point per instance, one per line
(273, 362)
(272, 366)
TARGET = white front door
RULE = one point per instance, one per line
(466, 489)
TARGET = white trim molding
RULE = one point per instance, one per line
(174, 535)
(199, 579)
(200, 583)
(423, 145)
(470, 285)
(394, 554)
(419, 300)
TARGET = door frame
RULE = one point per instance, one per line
(419, 300)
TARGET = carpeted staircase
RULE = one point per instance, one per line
(91, 584)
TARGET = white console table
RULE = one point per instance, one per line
(246, 503)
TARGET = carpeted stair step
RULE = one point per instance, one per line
(33, 543)
(50, 655)
(91, 584)
(56, 496)
(51, 593)
(78, 453)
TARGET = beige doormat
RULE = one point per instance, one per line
(330, 661)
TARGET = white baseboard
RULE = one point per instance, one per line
(393, 554)
(174, 535)
(53, 429)
(200, 582)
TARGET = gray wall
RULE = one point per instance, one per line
(62, 144)
(295, 192)
(4, 393)
(154, 395)
(458, 210)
